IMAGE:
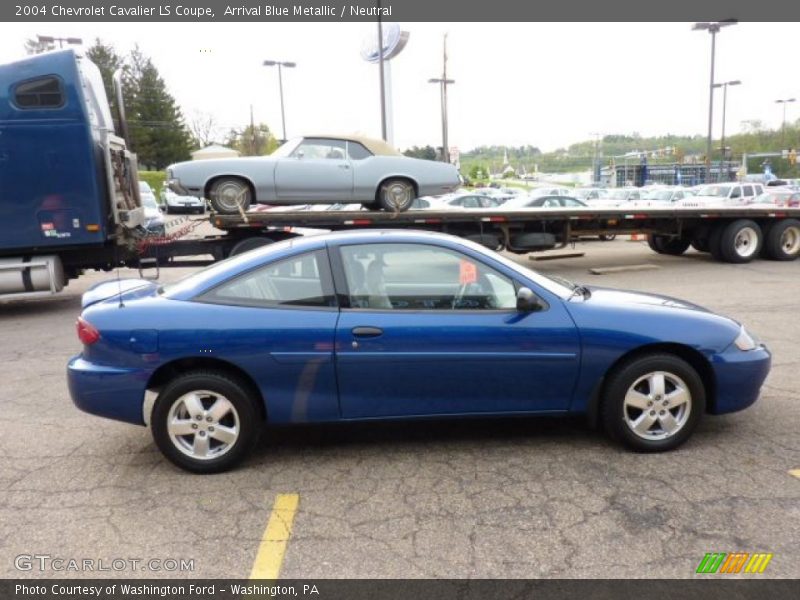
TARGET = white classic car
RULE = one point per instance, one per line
(315, 170)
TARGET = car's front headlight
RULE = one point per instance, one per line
(745, 341)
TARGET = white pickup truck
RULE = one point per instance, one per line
(723, 194)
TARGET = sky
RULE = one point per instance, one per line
(544, 84)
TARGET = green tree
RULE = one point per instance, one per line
(424, 152)
(36, 47)
(157, 130)
(108, 61)
(252, 140)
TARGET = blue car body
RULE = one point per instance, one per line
(308, 367)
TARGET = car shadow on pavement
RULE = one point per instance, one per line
(434, 432)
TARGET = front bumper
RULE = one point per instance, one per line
(108, 392)
(739, 377)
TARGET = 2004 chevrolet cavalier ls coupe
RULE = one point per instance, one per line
(369, 325)
(315, 170)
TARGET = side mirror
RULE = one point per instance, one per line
(300, 154)
(527, 301)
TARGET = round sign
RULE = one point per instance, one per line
(394, 40)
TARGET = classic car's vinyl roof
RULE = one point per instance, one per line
(377, 147)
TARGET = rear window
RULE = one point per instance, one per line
(42, 92)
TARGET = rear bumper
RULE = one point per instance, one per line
(739, 377)
(108, 392)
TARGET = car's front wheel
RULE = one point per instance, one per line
(396, 195)
(205, 421)
(653, 403)
(229, 195)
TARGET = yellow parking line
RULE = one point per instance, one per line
(276, 537)
(795, 473)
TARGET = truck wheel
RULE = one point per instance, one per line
(782, 241)
(228, 194)
(487, 240)
(700, 244)
(738, 242)
(666, 245)
(248, 244)
(205, 421)
(396, 195)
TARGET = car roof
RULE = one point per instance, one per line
(377, 147)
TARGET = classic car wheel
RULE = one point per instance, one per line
(229, 194)
(396, 195)
(205, 422)
(653, 403)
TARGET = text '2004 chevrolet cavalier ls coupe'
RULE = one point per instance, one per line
(393, 325)
(315, 170)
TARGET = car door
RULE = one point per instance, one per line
(278, 321)
(317, 170)
(430, 330)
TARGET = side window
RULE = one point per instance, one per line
(42, 92)
(748, 190)
(571, 203)
(314, 148)
(357, 151)
(302, 280)
(422, 277)
(471, 202)
(736, 192)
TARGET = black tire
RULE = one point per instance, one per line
(235, 392)
(169, 210)
(714, 246)
(607, 237)
(666, 245)
(248, 244)
(228, 194)
(533, 241)
(487, 240)
(739, 241)
(616, 414)
(782, 240)
(700, 244)
(396, 195)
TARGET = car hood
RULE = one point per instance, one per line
(619, 298)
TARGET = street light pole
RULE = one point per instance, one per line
(595, 169)
(443, 83)
(713, 28)
(279, 64)
(783, 126)
(724, 87)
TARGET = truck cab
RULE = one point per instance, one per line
(67, 182)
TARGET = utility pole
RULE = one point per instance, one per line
(724, 87)
(443, 83)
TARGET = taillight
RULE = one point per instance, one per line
(87, 332)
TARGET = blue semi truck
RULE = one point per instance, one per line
(69, 199)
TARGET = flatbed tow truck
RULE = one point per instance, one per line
(69, 200)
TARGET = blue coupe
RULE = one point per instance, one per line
(388, 325)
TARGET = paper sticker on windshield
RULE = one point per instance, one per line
(468, 273)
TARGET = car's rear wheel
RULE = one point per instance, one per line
(653, 403)
(205, 421)
(229, 195)
(396, 195)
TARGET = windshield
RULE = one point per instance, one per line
(287, 148)
(145, 187)
(149, 202)
(618, 195)
(719, 191)
(659, 195)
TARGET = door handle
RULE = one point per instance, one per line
(367, 332)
